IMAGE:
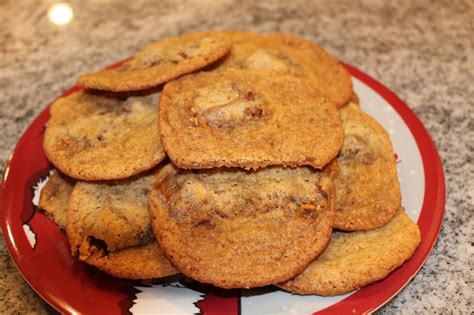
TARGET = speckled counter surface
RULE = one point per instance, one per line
(422, 50)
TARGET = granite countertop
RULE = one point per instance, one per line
(422, 50)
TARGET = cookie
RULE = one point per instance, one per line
(93, 136)
(354, 99)
(141, 262)
(105, 217)
(160, 62)
(240, 229)
(290, 54)
(54, 197)
(368, 190)
(355, 259)
(249, 119)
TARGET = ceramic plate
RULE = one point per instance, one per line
(41, 252)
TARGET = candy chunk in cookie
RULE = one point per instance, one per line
(226, 105)
(262, 59)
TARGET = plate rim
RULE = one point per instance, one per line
(434, 196)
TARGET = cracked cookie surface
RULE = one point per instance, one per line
(160, 62)
(249, 119)
(94, 136)
(367, 187)
(238, 229)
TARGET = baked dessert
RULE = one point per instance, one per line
(294, 55)
(54, 197)
(160, 62)
(355, 259)
(94, 136)
(240, 229)
(137, 262)
(367, 187)
(109, 216)
(248, 119)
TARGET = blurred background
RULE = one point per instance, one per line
(422, 50)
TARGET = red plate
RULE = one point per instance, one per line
(41, 253)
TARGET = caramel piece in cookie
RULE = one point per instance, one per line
(240, 229)
(249, 119)
(290, 54)
(160, 62)
(54, 197)
(106, 217)
(368, 190)
(141, 262)
(97, 137)
(355, 259)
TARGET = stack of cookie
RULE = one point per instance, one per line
(268, 152)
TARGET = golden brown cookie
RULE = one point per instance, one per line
(249, 119)
(368, 190)
(109, 216)
(141, 262)
(160, 62)
(54, 197)
(93, 136)
(239, 229)
(354, 99)
(355, 259)
(294, 55)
